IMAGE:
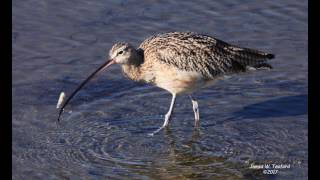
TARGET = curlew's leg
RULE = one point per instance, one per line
(167, 116)
(195, 110)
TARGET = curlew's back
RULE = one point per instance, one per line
(201, 53)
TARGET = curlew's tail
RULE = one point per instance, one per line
(262, 65)
(270, 56)
(250, 57)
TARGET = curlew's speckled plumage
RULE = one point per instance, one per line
(182, 62)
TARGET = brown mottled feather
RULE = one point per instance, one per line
(196, 52)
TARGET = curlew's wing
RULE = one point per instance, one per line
(195, 52)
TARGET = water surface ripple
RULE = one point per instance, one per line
(258, 117)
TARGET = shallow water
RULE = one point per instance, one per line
(258, 117)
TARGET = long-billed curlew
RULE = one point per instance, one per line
(180, 62)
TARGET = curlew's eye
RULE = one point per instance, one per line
(120, 52)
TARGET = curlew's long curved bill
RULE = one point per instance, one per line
(101, 68)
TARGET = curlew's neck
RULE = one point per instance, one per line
(132, 70)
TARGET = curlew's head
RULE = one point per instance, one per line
(123, 53)
(120, 53)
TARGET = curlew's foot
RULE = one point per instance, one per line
(156, 131)
(167, 117)
(165, 124)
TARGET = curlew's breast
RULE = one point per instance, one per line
(175, 80)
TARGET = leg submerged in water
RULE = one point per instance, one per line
(195, 107)
(167, 116)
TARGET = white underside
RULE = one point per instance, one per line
(178, 82)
